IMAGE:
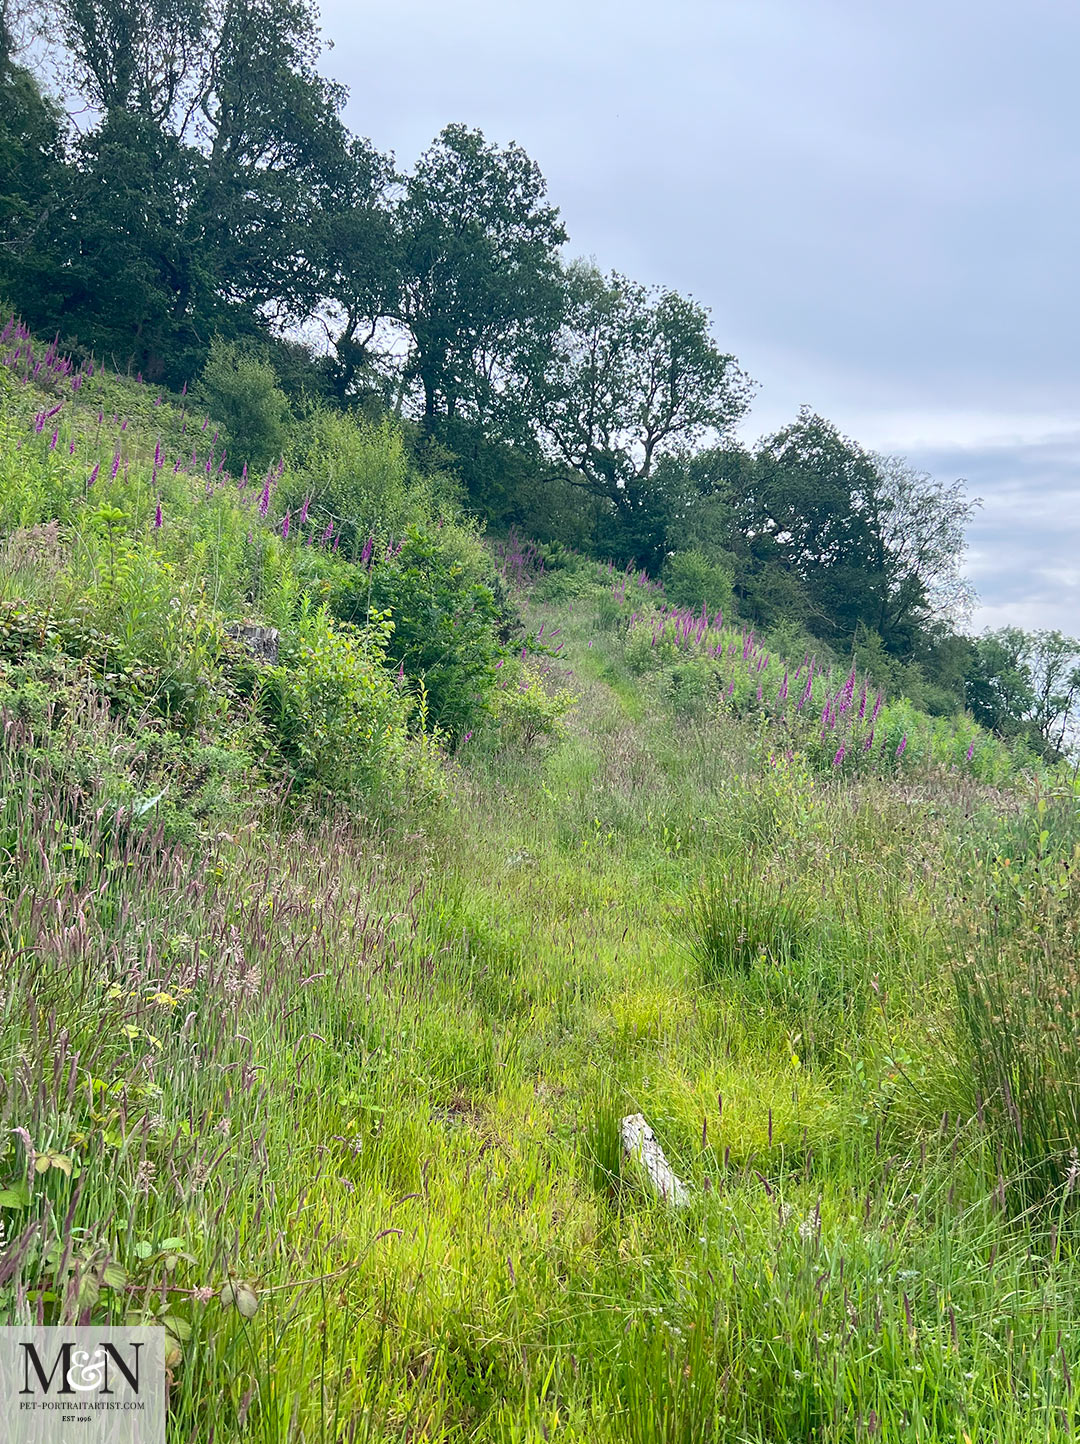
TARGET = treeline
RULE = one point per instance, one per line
(208, 206)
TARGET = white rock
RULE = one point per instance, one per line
(639, 1141)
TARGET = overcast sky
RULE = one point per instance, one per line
(879, 201)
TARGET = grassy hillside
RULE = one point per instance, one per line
(326, 982)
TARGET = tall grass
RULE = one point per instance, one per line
(1017, 973)
(743, 917)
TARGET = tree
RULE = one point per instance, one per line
(274, 147)
(808, 511)
(1054, 663)
(478, 248)
(241, 392)
(216, 148)
(33, 179)
(147, 57)
(1026, 684)
(919, 523)
(356, 256)
(633, 376)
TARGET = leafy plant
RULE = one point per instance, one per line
(526, 708)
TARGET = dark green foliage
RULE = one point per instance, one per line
(194, 205)
(33, 182)
(480, 280)
(445, 618)
(631, 376)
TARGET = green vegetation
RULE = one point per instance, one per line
(327, 976)
(364, 865)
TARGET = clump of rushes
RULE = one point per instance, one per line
(1017, 974)
(741, 916)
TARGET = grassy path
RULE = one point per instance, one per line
(373, 1089)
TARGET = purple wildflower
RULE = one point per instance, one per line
(971, 749)
(94, 474)
(285, 527)
(304, 510)
(264, 499)
(840, 754)
(902, 748)
(157, 515)
(115, 467)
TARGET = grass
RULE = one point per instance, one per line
(336, 1097)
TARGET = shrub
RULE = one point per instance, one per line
(647, 651)
(332, 709)
(694, 688)
(526, 710)
(691, 580)
(242, 393)
(445, 625)
(356, 475)
(610, 613)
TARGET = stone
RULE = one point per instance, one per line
(259, 641)
(639, 1142)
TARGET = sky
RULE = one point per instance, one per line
(879, 202)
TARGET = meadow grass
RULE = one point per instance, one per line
(336, 1096)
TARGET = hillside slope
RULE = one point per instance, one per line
(332, 1082)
